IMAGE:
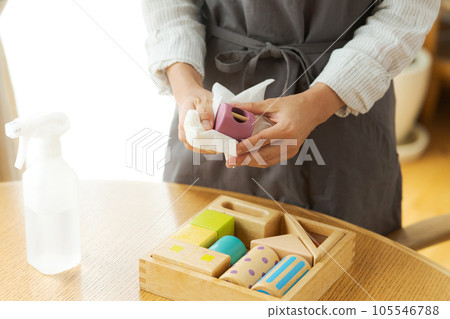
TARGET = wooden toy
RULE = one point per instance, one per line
(234, 122)
(251, 267)
(283, 276)
(190, 256)
(284, 245)
(174, 251)
(251, 220)
(208, 262)
(221, 223)
(307, 235)
(332, 250)
(231, 246)
(196, 235)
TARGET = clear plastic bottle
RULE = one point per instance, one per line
(50, 190)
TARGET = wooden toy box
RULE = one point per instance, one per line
(332, 249)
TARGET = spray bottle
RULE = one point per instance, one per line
(50, 191)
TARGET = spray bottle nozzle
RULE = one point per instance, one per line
(49, 126)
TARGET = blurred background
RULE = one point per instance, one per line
(87, 59)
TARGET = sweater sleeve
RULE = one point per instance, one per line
(175, 34)
(361, 72)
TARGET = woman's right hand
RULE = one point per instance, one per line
(187, 88)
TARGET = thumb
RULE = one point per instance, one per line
(205, 111)
(253, 107)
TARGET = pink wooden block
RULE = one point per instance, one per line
(226, 124)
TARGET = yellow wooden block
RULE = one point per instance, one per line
(221, 223)
(174, 251)
(207, 262)
(192, 257)
(196, 235)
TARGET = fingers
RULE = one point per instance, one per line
(203, 151)
(182, 137)
(182, 133)
(188, 146)
(203, 105)
(182, 111)
(198, 150)
(256, 107)
(202, 102)
(260, 139)
(265, 157)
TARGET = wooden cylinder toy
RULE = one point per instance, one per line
(231, 246)
(283, 276)
(234, 122)
(251, 267)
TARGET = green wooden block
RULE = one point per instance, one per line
(222, 223)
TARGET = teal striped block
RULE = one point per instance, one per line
(283, 276)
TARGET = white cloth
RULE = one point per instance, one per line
(360, 72)
(213, 140)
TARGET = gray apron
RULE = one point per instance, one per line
(249, 41)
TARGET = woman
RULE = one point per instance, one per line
(333, 62)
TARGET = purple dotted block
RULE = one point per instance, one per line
(251, 268)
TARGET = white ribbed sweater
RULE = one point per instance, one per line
(360, 72)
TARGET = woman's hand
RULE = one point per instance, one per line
(187, 88)
(295, 116)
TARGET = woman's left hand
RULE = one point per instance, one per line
(295, 117)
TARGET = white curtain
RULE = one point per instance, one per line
(8, 112)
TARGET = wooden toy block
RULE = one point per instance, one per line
(234, 122)
(221, 223)
(208, 262)
(251, 221)
(174, 251)
(196, 235)
(192, 257)
(294, 227)
(329, 235)
(172, 281)
(284, 245)
(283, 276)
(251, 267)
(231, 246)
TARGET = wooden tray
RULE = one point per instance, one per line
(332, 249)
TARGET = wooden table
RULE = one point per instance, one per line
(116, 230)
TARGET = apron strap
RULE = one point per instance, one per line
(293, 54)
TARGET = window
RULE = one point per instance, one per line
(61, 60)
